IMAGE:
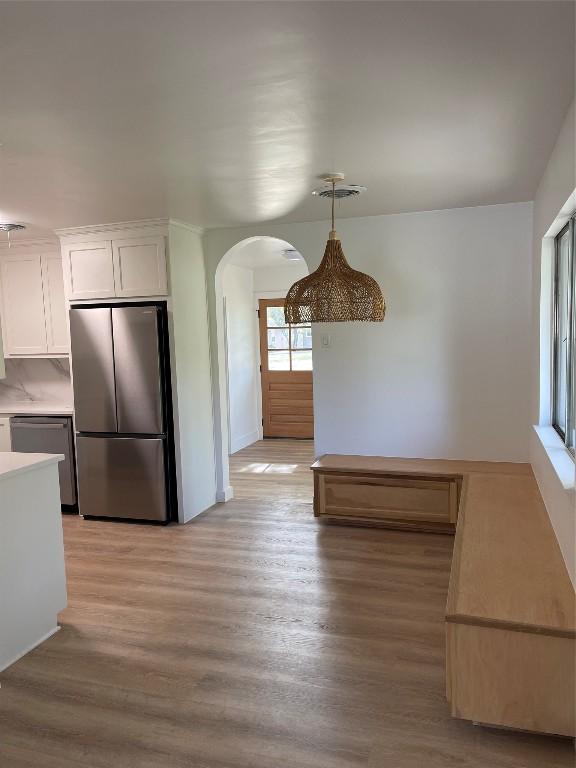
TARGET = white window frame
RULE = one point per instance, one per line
(568, 435)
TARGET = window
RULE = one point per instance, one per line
(564, 356)
(289, 346)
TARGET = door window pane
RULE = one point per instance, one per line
(289, 347)
(301, 338)
(278, 338)
(278, 361)
(302, 360)
(275, 317)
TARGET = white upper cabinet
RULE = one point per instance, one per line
(33, 305)
(24, 324)
(116, 268)
(89, 270)
(140, 267)
(55, 304)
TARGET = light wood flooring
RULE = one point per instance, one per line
(274, 470)
(251, 638)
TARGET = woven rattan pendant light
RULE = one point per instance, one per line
(334, 293)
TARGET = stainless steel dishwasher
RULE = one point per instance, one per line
(48, 434)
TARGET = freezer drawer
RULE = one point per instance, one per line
(121, 477)
(43, 434)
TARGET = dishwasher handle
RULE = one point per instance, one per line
(23, 425)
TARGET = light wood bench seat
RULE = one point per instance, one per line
(417, 494)
(510, 615)
(511, 619)
(337, 462)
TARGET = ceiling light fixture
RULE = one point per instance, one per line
(292, 254)
(334, 293)
(341, 191)
(10, 227)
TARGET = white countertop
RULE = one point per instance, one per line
(12, 463)
(36, 408)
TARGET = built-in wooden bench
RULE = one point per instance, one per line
(510, 616)
(511, 627)
(419, 494)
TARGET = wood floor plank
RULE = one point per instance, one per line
(253, 637)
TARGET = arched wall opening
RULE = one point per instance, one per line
(254, 269)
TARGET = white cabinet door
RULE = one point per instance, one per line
(22, 305)
(55, 304)
(140, 266)
(2, 360)
(89, 270)
(5, 444)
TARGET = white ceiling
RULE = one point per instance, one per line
(261, 252)
(223, 113)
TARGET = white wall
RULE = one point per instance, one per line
(552, 466)
(241, 288)
(278, 280)
(446, 374)
(192, 385)
(242, 356)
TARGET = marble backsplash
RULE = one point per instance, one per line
(37, 380)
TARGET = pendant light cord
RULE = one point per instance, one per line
(333, 195)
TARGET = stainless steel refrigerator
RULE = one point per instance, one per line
(123, 411)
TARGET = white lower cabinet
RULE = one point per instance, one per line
(33, 305)
(5, 444)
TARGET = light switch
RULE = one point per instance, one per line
(326, 340)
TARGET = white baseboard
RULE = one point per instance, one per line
(225, 495)
(30, 647)
(244, 441)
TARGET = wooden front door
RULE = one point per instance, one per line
(286, 372)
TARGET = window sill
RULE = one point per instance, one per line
(559, 456)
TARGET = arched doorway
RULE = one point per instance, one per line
(262, 363)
